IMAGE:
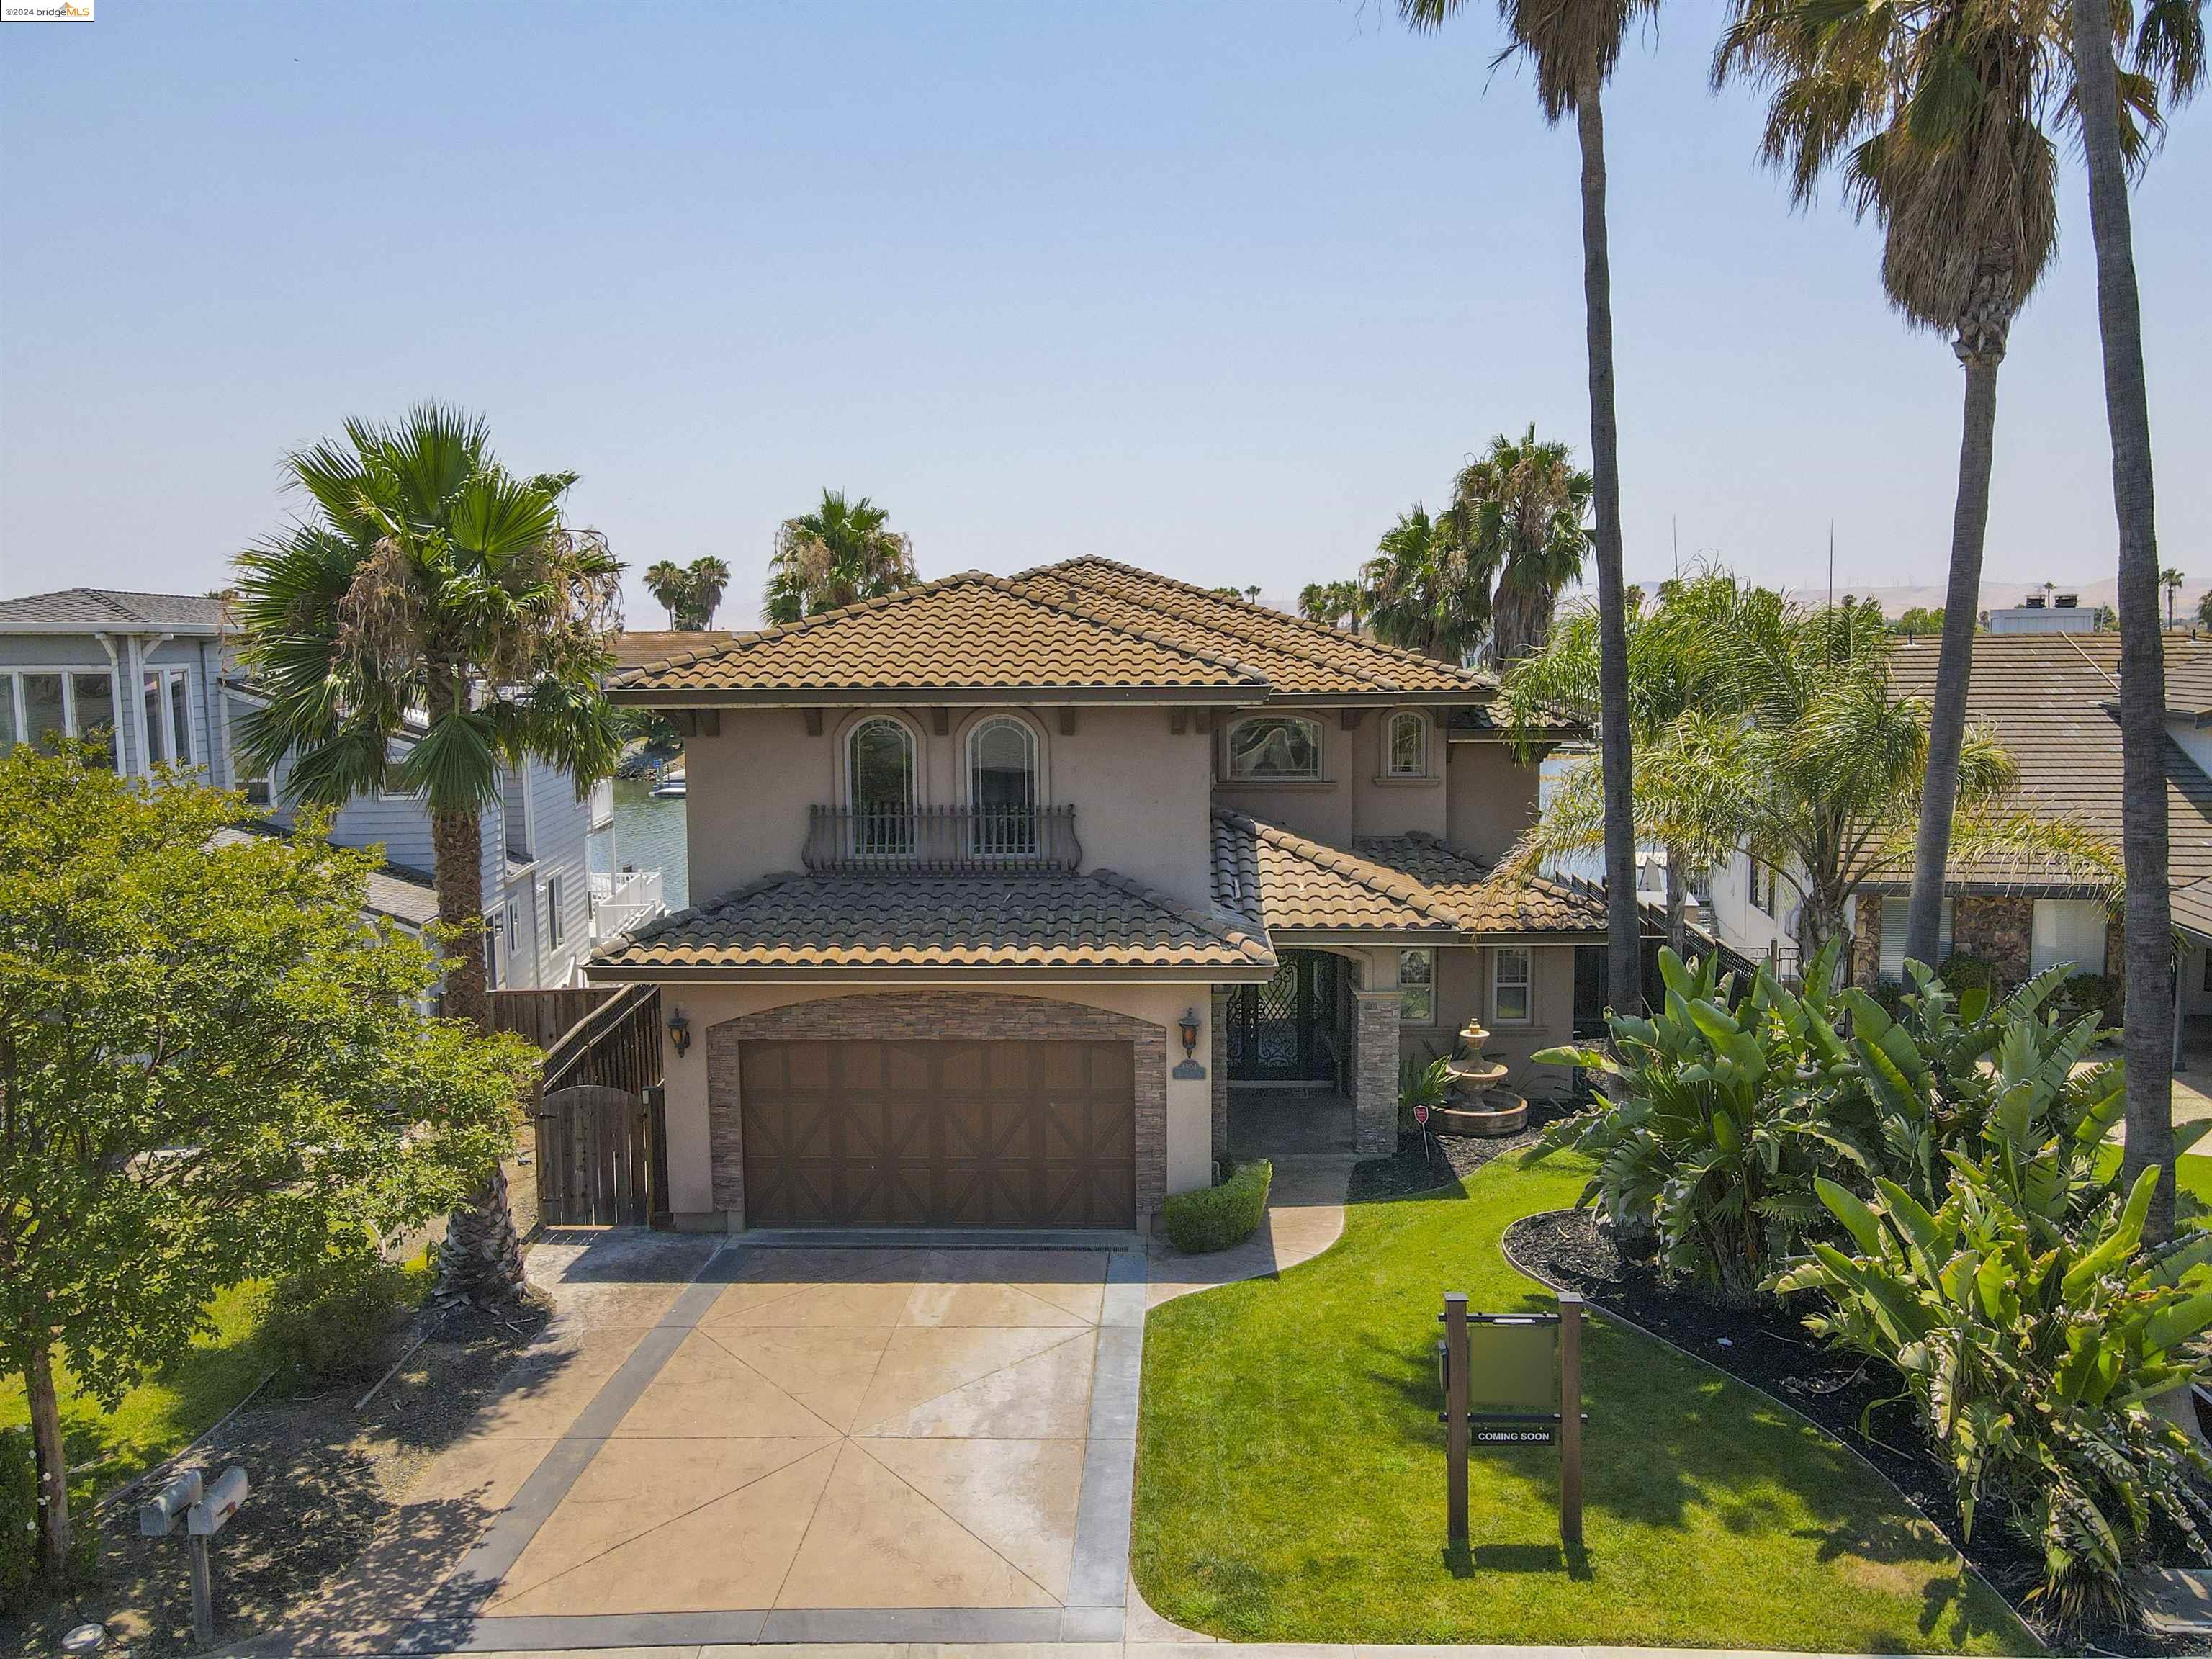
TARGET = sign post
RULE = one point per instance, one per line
(1456, 1422)
(1527, 1391)
(1570, 1418)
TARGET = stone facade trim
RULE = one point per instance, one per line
(1375, 1072)
(920, 1015)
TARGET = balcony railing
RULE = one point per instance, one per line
(621, 901)
(942, 841)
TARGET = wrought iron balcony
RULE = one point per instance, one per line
(942, 841)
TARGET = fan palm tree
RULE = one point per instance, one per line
(670, 584)
(1573, 46)
(1418, 592)
(709, 580)
(1934, 112)
(2169, 49)
(1339, 605)
(1805, 760)
(435, 623)
(836, 556)
(2173, 581)
(1523, 509)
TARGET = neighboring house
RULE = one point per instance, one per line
(2051, 700)
(2064, 615)
(63, 656)
(1007, 885)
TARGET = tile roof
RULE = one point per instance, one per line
(1485, 904)
(965, 633)
(633, 648)
(2047, 698)
(1089, 626)
(1285, 882)
(406, 895)
(1098, 921)
(112, 610)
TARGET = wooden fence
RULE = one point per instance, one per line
(598, 1111)
(545, 1017)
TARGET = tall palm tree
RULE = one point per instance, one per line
(1934, 112)
(836, 556)
(1802, 757)
(435, 623)
(1573, 45)
(710, 580)
(670, 584)
(1418, 592)
(2172, 580)
(2170, 49)
(1522, 508)
(1339, 603)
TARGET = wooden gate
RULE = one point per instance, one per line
(594, 1158)
(601, 1130)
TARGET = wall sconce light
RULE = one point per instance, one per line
(1188, 1026)
(679, 1033)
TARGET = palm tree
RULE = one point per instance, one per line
(1802, 757)
(1339, 605)
(1674, 666)
(1418, 592)
(670, 584)
(438, 608)
(2172, 580)
(838, 555)
(1522, 510)
(1933, 111)
(2170, 47)
(709, 580)
(1573, 45)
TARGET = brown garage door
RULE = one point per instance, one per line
(940, 1133)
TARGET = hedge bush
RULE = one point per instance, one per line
(336, 1318)
(21, 1583)
(1962, 971)
(1215, 1218)
(2092, 994)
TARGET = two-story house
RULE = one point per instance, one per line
(155, 678)
(1017, 901)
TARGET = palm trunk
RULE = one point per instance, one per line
(1678, 901)
(56, 1530)
(1623, 976)
(2148, 1040)
(1947, 725)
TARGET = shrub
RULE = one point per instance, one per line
(1420, 1085)
(1215, 1218)
(2093, 994)
(2031, 1330)
(336, 1317)
(21, 1583)
(1962, 971)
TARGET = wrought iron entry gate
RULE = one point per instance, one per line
(1286, 1031)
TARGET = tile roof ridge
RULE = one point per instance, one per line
(1232, 929)
(743, 638)
(1259, 611)
(1377, 879)
(1020, 589)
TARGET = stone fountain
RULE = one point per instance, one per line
(1479, 1102)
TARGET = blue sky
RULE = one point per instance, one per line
(1213, 288)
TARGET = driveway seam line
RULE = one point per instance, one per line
(845, 1439)
(1073, 1336)
(987, 1546)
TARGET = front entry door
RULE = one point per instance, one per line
(1285, 1031)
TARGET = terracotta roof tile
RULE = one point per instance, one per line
(1483, 903)
(968, 633)
(1286, 882)
(1101, 920)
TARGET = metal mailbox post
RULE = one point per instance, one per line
(204, 1509)
(1528, 1423)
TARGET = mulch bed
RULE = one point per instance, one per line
(324, 1477)
(1414, 1168)
(1771, 1351)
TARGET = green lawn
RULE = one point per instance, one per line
(1290, 1482)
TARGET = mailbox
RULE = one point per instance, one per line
(158, 1517)
(207, 1517)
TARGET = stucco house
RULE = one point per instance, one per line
(1020, 899)
(155, 677)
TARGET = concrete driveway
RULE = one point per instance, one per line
(819, 1445)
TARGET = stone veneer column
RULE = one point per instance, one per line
(1374, 1073)
(1866, 942)
(1998, 928)
(1220, 1060)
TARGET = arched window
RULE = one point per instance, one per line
(879, 775)
(1407, 755)
(1275, 746)
(1002, 792)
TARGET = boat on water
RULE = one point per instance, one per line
(671, 787)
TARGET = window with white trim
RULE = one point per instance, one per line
(1002, 788)
(553, 911)
(165, 698)
(879, 786)
(2071, 931)
(1268, 746)
(1894, 927)
(1417, 987)
(41, 706)
(1512, 985)
(1406, 754)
